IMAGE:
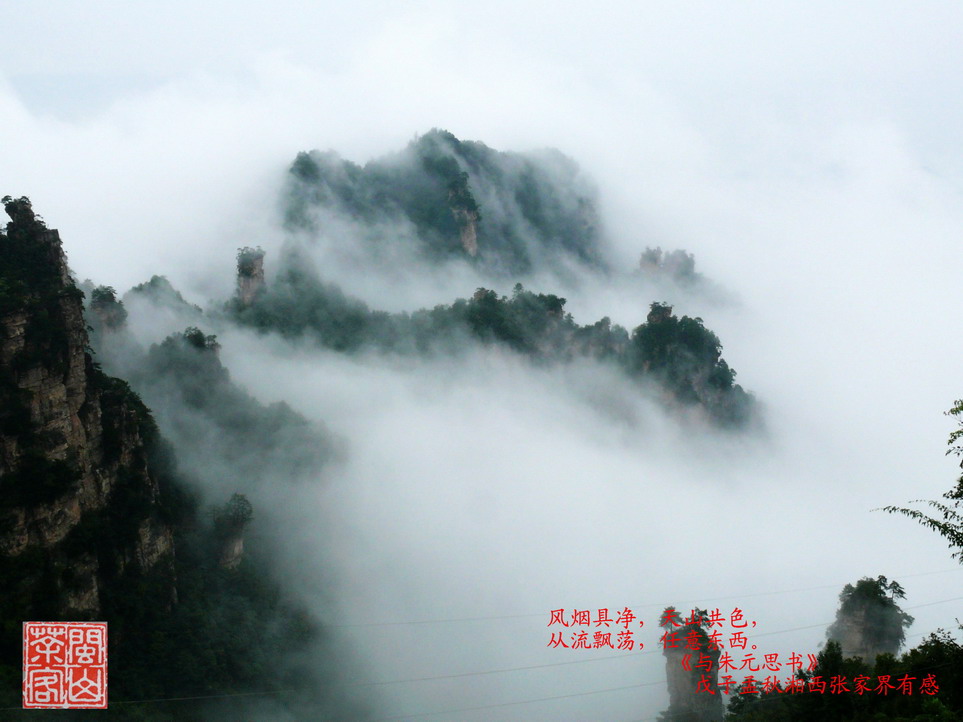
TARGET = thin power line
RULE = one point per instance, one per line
(813, 626)
(638, 606)
(487, 672)
(611, 689)
(554, 697)
(523, 701)
(594, 659)
(771, 696)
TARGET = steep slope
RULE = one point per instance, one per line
(74, 443)
(97, 521)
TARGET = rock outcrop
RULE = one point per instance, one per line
(467, 230)
(855, 636)
(869, 622)
(74, 443)
(692, 673)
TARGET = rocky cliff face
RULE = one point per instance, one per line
(74, 443)
(855, 639)
(250, 275)
(465, 210)
(468, 232)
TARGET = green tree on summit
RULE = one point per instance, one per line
(869, 622)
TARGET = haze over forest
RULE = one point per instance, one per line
(436, 456)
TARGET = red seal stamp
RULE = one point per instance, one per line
(65, 665)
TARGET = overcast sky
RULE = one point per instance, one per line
(810, 155)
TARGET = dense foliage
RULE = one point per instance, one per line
(679, 354)
(31, 284)
(158, 290)
(217, 427)
(248, 632)
(107, 312)
(529, 209)
(182, 625)
(939, 655)
(30, 274)
(222, 631)
(247, 260)
(870, 606)
(26, 270)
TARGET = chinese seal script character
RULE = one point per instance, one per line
(65, 665)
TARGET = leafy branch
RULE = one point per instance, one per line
(951, 525)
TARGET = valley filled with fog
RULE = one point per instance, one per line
(429, 502)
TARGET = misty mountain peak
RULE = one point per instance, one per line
(505, 212)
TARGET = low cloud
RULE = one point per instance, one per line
(485, 489)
